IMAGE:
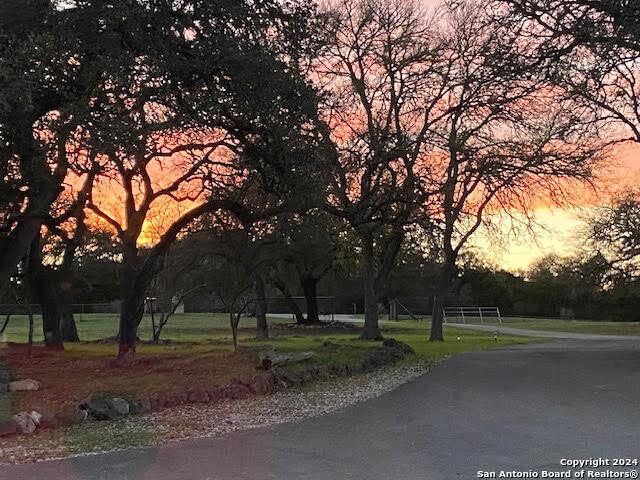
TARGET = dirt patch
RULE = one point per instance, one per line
(68, 377)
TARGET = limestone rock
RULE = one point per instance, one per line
(25, 423)
(44, 418)
(24, 385)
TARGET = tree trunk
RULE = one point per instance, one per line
(310, 289)
(262, 328)
(131, 312)
(436, 319)
(42, 285)
(131, 303)
(295, 308)
(234, 321)
(68, 328)
(52, 289)
(371, 328)
(444, 285)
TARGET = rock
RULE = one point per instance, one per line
(215, 394)
(281, 359)
(121, 406)
(390, 352)
(139, 407)
(400, 346)
(101, 407)
(71, 416)
(25, 423)
(155, 402)
(10, 427)
(287, 378)
(45, 418)
(24, 385)
(4, 388)
(36, 417)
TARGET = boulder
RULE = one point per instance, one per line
(121, 406)
(215, 394)
(287, 378)
(10, 427)
(24, 385)
(400, 346)
(390, 352)
(101, 407)
(138, 407)
(25, 423)
(71, 416)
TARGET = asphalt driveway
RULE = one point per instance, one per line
(522, 408)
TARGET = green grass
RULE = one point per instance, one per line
(554, 325)
(188, 327)
(106, 436)
(350, 348)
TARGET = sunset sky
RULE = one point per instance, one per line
(561, 229)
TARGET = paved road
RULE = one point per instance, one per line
(522, 407)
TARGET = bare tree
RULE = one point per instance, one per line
(584, 22)
(591, 49)
(167, 309)
(383, 76)
(504, 139)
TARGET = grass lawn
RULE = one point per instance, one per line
(554, 325)
(575, 326)
(188, 327)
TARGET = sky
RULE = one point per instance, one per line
(561, 230)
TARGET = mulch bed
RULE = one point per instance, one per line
(68, 377)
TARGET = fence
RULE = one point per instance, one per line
(471, 313)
